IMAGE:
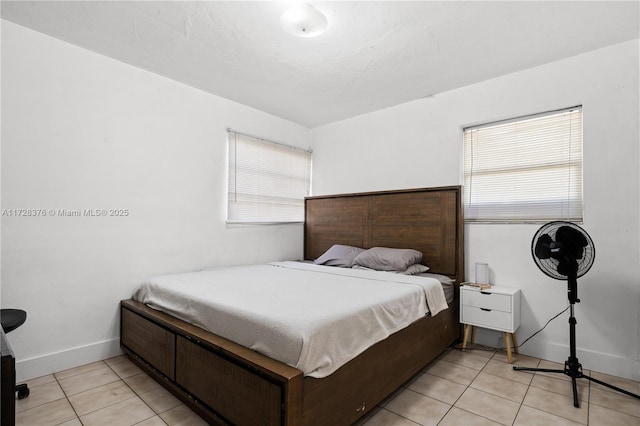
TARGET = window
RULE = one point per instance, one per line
(267, 181)
(527, 169)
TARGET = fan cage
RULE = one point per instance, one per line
(550, 266)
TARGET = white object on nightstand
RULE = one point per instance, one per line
(497, 308)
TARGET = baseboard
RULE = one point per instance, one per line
(31, 368)
(602, 362)
(591, 360)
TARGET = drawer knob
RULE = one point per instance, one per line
(485, 309)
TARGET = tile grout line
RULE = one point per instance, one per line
(485, 365)
(525, 394)
(608, 391)
(588, 399)
(137, 395)
(404, 388)
(77, 416)
(489, 393)
(523, 398)
(68, 401)
(495, 356)
(401, 416)
(462, 393)
(67, 396)
(492, 357)
(561, 395)
(454, 402)
(466, 388)
(48, 402)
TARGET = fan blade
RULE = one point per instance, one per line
(562, 269)
(543, 247)
(572, 241)
(567, 266)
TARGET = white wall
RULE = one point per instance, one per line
(82, 131)
(418, 144)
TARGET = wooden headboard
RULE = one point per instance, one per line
(428, 220)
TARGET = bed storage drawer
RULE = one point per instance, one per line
(217, 382)
(155, 344)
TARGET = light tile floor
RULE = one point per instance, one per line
(476, 387)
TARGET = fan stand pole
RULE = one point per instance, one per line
(572, 366)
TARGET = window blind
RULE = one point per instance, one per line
(267, 181)
(527, 169)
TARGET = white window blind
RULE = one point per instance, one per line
(524, 170)
(267, 181)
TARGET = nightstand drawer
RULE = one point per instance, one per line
(490, 319)
(493, 301)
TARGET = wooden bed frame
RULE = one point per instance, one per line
(228, 383)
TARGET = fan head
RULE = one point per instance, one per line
(562, 248)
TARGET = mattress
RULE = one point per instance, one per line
(448, 285)
(315, 318)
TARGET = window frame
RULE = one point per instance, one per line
(261, 199)
(477, 211)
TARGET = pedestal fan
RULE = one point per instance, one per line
(563, 250)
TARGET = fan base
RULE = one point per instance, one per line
(573, 369)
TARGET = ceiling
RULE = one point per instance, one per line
(374, 54)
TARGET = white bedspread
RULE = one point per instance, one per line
(315, 318)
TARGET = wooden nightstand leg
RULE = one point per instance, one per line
(473, 334)
(465, 337)
(507, 343)
(514, 339)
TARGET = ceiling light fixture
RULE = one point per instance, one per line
(303, 21)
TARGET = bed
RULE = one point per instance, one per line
(225, 382)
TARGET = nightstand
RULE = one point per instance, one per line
(497, 308)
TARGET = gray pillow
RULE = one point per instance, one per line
(388, 259)
(339, 255)
(416, 269)
(413, 269)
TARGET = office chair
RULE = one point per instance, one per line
(12, 319)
